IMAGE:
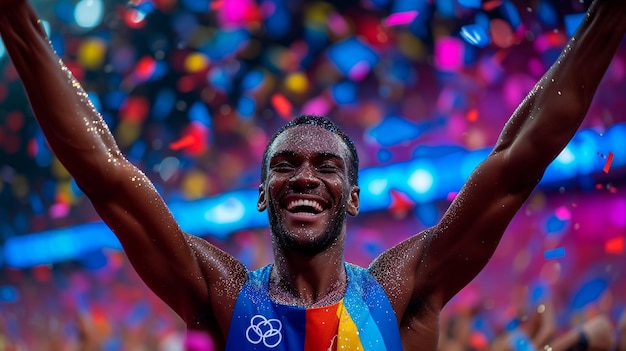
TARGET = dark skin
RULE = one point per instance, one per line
(420, 274)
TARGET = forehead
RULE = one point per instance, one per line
(309, 139)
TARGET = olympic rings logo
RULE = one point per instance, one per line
(264, 330)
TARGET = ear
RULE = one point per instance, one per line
(261, 203)
(354, 202)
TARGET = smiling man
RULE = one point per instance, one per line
(310, 298)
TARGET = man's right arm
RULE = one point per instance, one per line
(184, 271)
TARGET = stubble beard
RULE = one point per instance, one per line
(317, 242)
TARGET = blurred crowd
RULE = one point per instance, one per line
(194, 89)
(72, 309)
(521, 301)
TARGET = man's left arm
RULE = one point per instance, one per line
(431, 267)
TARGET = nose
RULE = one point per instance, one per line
(304, 177)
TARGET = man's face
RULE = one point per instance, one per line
(307, 192)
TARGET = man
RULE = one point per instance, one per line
(308, 187)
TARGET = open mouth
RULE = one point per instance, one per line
(305, 207)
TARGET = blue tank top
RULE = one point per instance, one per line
(362, 320)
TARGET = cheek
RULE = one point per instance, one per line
(272, 190)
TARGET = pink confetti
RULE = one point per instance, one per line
(449, 54)
(563, 213)
(400, 18)
(199, 341)
(59, 210)
(317, 106)
(359, 71)
(338, 24)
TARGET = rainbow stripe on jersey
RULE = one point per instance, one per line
(363, 320)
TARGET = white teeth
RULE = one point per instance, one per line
(306, 203)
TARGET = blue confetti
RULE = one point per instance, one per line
(589, 292)
(555, 253)
(475, 34)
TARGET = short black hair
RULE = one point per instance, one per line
(322, 122)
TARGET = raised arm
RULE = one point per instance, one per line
(444, 258)
(185, 271)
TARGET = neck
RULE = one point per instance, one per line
(319, 280)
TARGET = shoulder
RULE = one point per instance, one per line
(397, 272)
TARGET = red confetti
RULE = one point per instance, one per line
(42, 273)
(144, 69)
(281, 105)
(614, 246)
(15, 121)
(472, 115)
(400, 204)
(77, 70)
(195, 139)
(133, 18)
(181, 143)
(186, 84)
(607, 164)
(216, 4)
(4, 92)
(491, 5)
(32, 148)
(135, 109)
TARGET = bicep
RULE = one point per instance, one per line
(426, 270)
(166, 259)
(466, 237)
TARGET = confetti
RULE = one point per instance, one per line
(181, 143)
(607, 164)
(251, 65)
(281, 105)
(359, 71)
(216, 4)
(475, 35)
(400, 18)
(472, 115)
(194, 140)
(400, 204)
(449, 54)
(563, 213)
(491, 5)
(614, 246)
(554, 253)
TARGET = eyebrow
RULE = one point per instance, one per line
(322, 154)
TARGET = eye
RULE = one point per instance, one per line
(282, 166)
(327, 168)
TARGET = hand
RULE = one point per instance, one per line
(599, 333)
